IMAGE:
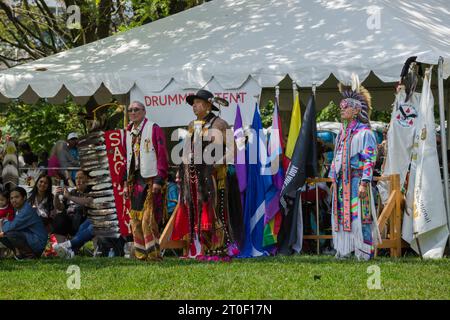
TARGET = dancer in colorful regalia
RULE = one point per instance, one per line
(209, 216)
(147, 166)
(353, 210)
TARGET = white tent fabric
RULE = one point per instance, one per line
(231, 40)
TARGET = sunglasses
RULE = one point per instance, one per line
(134, 110)
(344, 105)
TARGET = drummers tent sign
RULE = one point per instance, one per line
(169, 108)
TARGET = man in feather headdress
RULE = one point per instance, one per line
(147, 166)
(354, 220)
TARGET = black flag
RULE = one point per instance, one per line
(304, 159)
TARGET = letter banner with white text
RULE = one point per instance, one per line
(117, 167)
(168, 108)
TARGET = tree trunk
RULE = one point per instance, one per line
(104, 18)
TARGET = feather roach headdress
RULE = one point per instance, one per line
(356, 96)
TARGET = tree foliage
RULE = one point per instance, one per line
(30, 29)
(40, 124)
(266, 114)
(330, 113)
(145, 11)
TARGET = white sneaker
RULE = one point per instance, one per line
(66, 244)
(62, 251)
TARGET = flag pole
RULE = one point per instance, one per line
(257, 97)
(294, 91)
(277, 95)
(443, 137)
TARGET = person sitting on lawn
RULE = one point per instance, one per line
(7, 213)
(42, 199)
(6, 210)
(72, 213)
(72, 221)
(26, 234)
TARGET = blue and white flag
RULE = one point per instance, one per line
(257, 185)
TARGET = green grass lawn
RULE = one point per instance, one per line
(296, 277)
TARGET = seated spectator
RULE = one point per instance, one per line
(69, 248)
(6, 213)
(73, 206)
(73, 222)
(6, 210)
(26, 234)
(42, 199)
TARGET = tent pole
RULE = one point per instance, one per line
(125, 111)
(294, 91)
(277, 95)
(443, 133)
(447, 108)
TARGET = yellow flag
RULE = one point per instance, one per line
(294, 128)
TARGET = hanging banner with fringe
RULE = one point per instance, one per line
(117, 166)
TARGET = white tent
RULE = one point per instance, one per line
(231, 40)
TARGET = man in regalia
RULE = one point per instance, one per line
(354, 219)
(207, 216)
(147, 166)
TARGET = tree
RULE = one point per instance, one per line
(31, 30)
(145, 11)
(330, 113)
(34, 30)
(41, 124)
(267, 114)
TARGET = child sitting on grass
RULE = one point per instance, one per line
(6, 210)
(7, 213)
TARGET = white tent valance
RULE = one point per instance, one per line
(231, 40)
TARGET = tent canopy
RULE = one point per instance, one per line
(231, 40)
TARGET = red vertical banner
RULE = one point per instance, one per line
(114, 140)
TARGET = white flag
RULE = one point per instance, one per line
(429, 215)
(400, 138)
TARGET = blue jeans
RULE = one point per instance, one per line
(84, 234)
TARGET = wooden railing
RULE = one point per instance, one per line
(391, 215)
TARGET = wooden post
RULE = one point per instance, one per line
(125, 116)
(397, 216)
(317, 220)
(391, 218)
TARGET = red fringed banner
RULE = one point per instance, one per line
(115, 147)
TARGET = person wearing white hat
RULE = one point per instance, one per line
(72, 141)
